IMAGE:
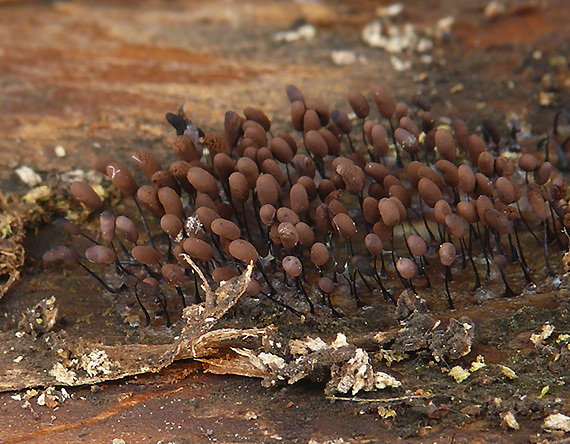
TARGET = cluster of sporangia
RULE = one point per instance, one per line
(409, 189)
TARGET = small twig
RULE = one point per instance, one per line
(384, 400)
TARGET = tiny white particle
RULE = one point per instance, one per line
(60, 151)
(28, 176)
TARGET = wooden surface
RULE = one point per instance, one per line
(98, 78)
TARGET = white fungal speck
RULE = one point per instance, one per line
(304, 32)
(28, 176)
(60, 151)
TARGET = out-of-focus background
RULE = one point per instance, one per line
(99, 77)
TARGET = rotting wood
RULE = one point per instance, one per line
(53, 364)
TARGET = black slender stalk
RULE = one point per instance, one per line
(285, 280)
(523, 263)
(150, 241)
(152, 273)
(301, 289)
(477, 279)
(320, 166)
(545, 142)
(463, 255)
(368, 285)
(327, 301)
(378, 279)
(412, 286)
(423, 271)
(509, 292)
(554, 230)
(281, 304)
(162, 302)
(560, 113)
(447, 279)
(240, 223)
(353, 290)
(526, 224)
(421, 215)
(383, 272)
(288, 175)
(404, 281)
(217, 245)
(498, 242)
(547, 262)
(101, 281)
(119, 268)
(124, 248)
(350, 143)
(486, 249)
(331, 249)
(411, 227)
(145, 311)
(182, 296)
(456, 198)
(255, 203)
(407, 246)
(90, 239)
(514, 252)
(362, 122)
(197, 298)
(262, 271)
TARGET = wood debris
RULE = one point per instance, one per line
(345, 367)
(557, 422)
(510, 420)
(56, 362)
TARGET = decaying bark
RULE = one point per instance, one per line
(50, 360)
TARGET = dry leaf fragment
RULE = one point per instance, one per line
(459, 374)
(478, 364)
(547, 330)
(415, 333)
(391, 356)
(40, 318)
(328, 441)
(437, 411)
(50, 398)
(357, 374)
(566, 262)
(97, 363)
(255, 360)
(386, 412)
(508, 372)
(383, 337)
(63, 375)
(304, 346)
(383, 380)
(272, 361)
(409, 303)
(389, 11)
(472, 410)
(509, 420)
(340, 341)
(556, 422)
(455, 341)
